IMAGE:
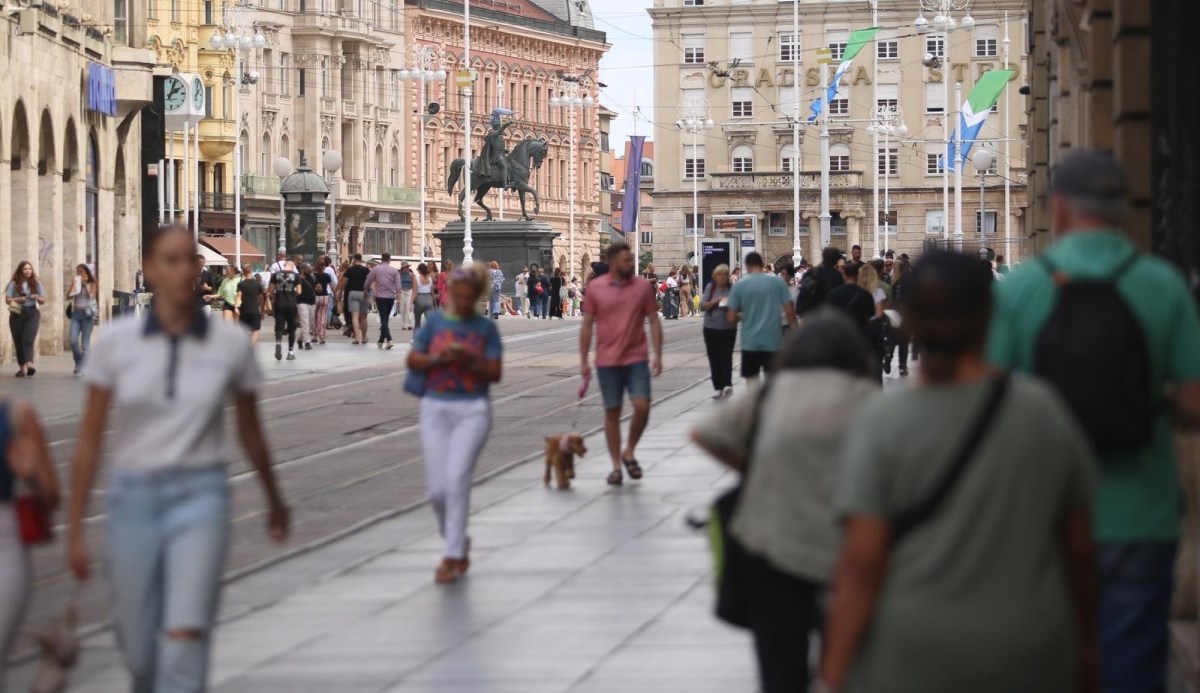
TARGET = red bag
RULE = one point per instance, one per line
(539, 289)
(33, 521)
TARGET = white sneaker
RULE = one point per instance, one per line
(727, 393)
(719, 394)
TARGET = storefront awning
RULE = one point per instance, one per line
(226, 246)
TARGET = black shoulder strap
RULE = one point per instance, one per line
(907, 520)
(1125, 266)
(759, 398)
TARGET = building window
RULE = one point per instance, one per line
(839, 158)
(693, 225)
(837, 40)
(888, 161)
(837, 225)
(121, 22)
(936, 44)
(648, 169)
(151, 9)
(887, 49)
(648, 236)
(789, 48)
(743, 159)
(935, 98)
(300, 81)
(693, 49)
(839, 107)
(377, 241)
(933, 161)
(987, 41)
(935, 223)
(989, 223)
(888, 96)
(788, 158)
(693, 161)
(209, 16)
(777, 224)
(693, 3)
(743, 103)
(227, 102)
(174, 10)
(208, 102)
(741, 46)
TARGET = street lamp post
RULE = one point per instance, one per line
(468, 93)
(282, 168)
(982, 161)
(694, 118)
(426, 62)
(331, 161)
(889, 122)
(237, 38)
(571, 86)
(943, 22)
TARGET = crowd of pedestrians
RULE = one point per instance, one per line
(1027, 541)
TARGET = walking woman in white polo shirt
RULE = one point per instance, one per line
(167, 376)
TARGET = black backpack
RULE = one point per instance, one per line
(811, 293)
(1093, 350)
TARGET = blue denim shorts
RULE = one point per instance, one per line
(1136, 580)
(615, 381)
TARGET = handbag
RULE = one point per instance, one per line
(70, 310)
(730, 557)
(33, 521)
(15, 308)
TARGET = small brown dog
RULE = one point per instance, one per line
(560, 457)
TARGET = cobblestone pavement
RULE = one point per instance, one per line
(591, 589)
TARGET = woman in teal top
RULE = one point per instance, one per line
(459, 352)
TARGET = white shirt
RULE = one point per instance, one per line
(169, 395)
(332, 278)
(672, 283)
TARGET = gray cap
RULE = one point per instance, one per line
(1089, 174)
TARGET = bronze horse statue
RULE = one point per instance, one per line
(526, 156)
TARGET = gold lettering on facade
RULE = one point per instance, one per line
(936, 74)
(764, 78)
(741, 78)
(716, 81)
(861, 76)
(786, 77)
(812, 78)
(960, 70)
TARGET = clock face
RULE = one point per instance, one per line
(176, 94)
(198, 95)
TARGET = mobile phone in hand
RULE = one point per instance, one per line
(583, 387)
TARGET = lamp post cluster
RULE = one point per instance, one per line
(943, 22)
(694, 119)
(234, 34)
(426, 68)
(572, 87)
(889, 122)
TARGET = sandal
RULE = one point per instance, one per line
(465, 564)
(616, 478)
(634, 469)
(448, 572)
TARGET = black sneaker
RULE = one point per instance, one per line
(887, 366)
(278, 351)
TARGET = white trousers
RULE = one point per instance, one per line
(14, 582)
(404, 308)
(452, 436)
(306, 311)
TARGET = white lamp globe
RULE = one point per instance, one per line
(440, 75)
(216, 41)
(902, 130)
(282, 167)
(588, 101)
(260, 41)
(554, 101)
(331, 161)
(921, 24)
(231, 40)
(679, 124)
(982, 160)
(404, 75)
(709, 124)
(950, 24)
(939, 22)
(968, 22)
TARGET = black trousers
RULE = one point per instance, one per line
(718, 344)
(24, 328)
(784, 613)
(755, 362)
(385, 306)
(286, 319)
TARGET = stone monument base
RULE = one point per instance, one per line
(513, 244)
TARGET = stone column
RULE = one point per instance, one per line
(6, 256)
(53, 260)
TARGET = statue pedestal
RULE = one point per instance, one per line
(513, 244)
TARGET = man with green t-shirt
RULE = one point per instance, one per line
(1137, 520)
(756, 302)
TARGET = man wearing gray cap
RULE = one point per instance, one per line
(1112, 330)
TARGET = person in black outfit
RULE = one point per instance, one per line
(820, 281)
(859, 304)
(205, 285)
(353, 291)
(249, 291)
(285, 290)
(556, 283)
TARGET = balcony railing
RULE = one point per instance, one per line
(398, 196)
(782, 180)
(260, 185)
(216, 202)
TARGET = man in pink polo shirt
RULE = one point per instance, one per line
(618, 305)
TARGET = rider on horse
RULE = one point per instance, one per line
(494, 153)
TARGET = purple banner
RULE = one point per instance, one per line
(631, 206)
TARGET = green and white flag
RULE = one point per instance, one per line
(858, 39)
(975, 111)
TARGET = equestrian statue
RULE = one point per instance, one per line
(497, 168)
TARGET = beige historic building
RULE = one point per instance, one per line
(739, 57)
(73, 81)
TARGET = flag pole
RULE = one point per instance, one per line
(825, 216)
(958, 227)
(797, 251)
(1007, 160)
(874, 136)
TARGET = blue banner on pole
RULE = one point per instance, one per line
(101, 90)
(631, 203)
